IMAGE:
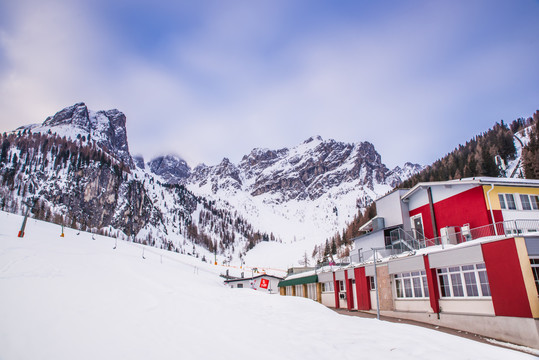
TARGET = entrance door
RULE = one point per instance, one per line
(418, 227)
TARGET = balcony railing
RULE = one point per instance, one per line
(402, 241)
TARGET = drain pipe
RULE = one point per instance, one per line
(492, 212)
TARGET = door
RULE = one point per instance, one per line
(417, 224)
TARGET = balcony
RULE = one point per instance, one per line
(402, 241)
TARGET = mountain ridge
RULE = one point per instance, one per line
(84, 175)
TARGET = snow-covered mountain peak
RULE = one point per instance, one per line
(171, 168)
(106, 128)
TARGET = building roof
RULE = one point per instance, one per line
(474, 181)
(252, 278)
(299, 280)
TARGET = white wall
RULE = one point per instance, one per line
(328, 299)
(373, 299)
(368, 241)
(389, 207)
(273, 284)
(460, 306)
(415, 305)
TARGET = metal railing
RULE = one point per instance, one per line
(403, 241)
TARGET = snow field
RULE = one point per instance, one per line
(77, 298)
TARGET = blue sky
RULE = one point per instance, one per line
(213, 79)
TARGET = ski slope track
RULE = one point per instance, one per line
(75, 297)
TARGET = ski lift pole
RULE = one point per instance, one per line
(23, 227)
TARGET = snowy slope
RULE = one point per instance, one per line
(77, 298)
(514, 167)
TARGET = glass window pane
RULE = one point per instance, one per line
(456, 285)
(510, 201)
(467, 267)
(454, 269)
(398, 288)
(535, 202)
(407, 287)
(471, 284)
(425, 286)
(525, 200)
(444, 285)
(483, 279)
(502, 201)
(417, 287)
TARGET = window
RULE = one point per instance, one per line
(311, 291)
(510, 201)
(502, 201)
(411, 285)
(240, 286)
(529, 202)
(327, 286)
(534, 199)
(289, 290)
(372, 282)
(535, 270)
(341, 285)
(464, 281)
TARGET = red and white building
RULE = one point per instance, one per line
(462, 254)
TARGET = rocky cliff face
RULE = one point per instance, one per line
(305, 172)
(106, 128)
(170, 167)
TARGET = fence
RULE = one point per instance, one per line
(402, 241)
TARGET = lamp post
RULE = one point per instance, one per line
(376, 286)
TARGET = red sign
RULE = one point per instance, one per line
(264, 283)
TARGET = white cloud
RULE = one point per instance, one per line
(246, 76)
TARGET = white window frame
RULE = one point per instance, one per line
(412, 278)
(534, 262)
(532, 201)
(328, 287)
(459, 277)
(506, 203)
(372, 282)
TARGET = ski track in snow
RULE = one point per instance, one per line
(77, 298)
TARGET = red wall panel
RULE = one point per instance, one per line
(337, 290)
(362, 289)
(432, 280)
(466, 207)
(349, 291)
(507, 286)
